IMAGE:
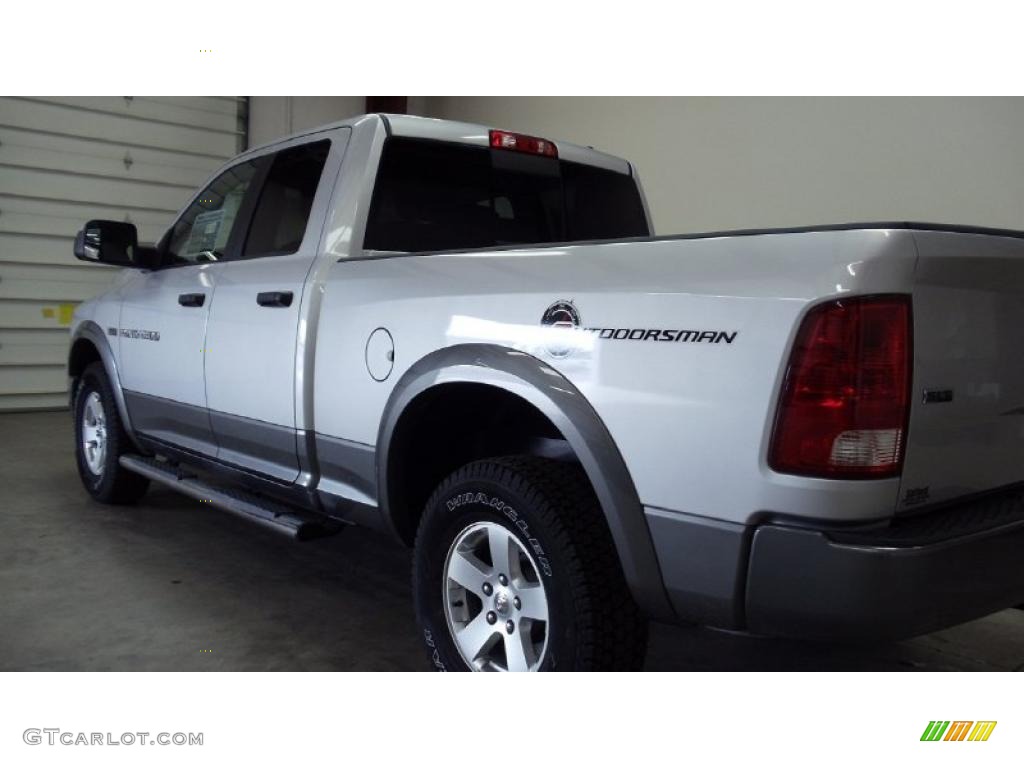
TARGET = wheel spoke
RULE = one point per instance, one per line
(466, 571)
(473, 637)
(501, 545)
(515, 652)
(534, 602)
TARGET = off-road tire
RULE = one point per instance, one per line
(113, 484)
(551, 509)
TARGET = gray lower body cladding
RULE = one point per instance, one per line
(267, 449)
(344, 475)
(910, 577)
(703, 564)
(181, 424)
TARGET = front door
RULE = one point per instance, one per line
(252, 351)
(164, 313)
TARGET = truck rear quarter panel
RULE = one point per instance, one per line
(691, 418)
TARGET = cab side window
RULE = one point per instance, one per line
(203, 231)
(279, 221)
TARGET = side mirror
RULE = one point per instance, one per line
(108, 242)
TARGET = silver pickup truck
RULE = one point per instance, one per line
(471, 338)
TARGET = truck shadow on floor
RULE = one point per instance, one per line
(171, 584)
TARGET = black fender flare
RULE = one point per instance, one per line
(572, 414)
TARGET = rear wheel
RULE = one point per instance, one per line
(100, 441)
(515, 570)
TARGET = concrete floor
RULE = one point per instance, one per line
(173, 585)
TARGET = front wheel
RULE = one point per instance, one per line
(100, 441)
(515, 570)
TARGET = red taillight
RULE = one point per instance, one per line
(518, 142)
(845, 402)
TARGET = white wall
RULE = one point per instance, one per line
(271, 117)
(726, 163)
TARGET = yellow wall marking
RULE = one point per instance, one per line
(62, 313)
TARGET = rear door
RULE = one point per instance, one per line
(164, 312)
(252, 345)
(967, 416)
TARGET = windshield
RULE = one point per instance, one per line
(436, 196)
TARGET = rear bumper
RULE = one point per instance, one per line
(913, 576)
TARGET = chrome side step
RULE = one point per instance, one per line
(258, 509)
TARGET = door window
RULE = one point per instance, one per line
(279, 221)
(204, 230)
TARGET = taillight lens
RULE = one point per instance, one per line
(518, 142)
(845, 402)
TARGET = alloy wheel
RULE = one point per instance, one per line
(94, 433)
(495, 603)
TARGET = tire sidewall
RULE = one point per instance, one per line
(451, 511)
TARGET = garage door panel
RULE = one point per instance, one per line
(53, 283)
(32, 379)
(21, 149)
(45, 250)
(33, 347)
(46, 217)
(22, 402)
(31, 314)
(37, 249)
(190, 112)
(71, 144)
(34, 115)
(82, 189)
(232, 106)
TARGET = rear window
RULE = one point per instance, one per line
(435, 196)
